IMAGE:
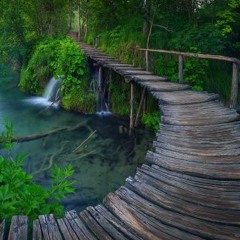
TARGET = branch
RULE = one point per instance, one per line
(164, 27)
(42, 135)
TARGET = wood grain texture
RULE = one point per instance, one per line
(3, 230)
(18, 228)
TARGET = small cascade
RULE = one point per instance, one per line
(103, 107)
(50, 96)
(51, 92)
(99, 86)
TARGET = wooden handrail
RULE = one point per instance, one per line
(234, 61)
(197, 55)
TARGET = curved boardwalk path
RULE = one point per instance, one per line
(190, 188)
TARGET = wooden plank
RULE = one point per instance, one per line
(193, 168)
(213, 194)
(188, 210)
(66, 230)
(141, 77)
(49, 227)
(198, 114)
(37, 232)
(184, 97)
(156, 86)
(94, 226)
(190, 227)
(78, 225)
(18, 228)
(3, 230)
(146, 226)
(127, 230)
(134, 72)
(108, 227)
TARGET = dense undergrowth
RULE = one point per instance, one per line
(211, 28)
(61, 58)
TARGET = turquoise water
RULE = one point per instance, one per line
(101, 150)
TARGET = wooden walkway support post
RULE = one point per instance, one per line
(140, 107)
(100, 78)
(234, 88)
(132, 107)
(146, 60)
(180, 68)
(109, 87)
(100, 90)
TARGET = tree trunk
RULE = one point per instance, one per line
(147, 12)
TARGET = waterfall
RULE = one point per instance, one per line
(50, 96)
(102, 82)
(99, 86)
(52, 90)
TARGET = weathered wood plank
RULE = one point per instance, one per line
(3, 230)
(18, 228)
(74, 225)
(109, 228)
(221, 194)
(49, 227)
(66, 230)
(94, 226)
(134, 72)
(145, 225)
(127, 230)
(184, 97)
(37, 232)
(195, 168)
(187, 210)
(186, 224)
(156, 86)
(142, 78)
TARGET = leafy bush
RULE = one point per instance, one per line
(60, 58)
(151, 120)
(19, 195)
(80, 101)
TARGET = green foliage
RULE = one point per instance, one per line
(80, 101)
(24, 22)
(151, 120)
(120, 95)
(19, 195)
(122, 41)
(60, 58)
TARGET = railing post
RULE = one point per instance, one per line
(234, 88)
(146, 60)
(180, 68)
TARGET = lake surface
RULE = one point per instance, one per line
(101, 150)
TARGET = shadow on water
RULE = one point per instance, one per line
(101, 150)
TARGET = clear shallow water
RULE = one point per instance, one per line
(101, 163)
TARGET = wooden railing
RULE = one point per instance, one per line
(234, 61)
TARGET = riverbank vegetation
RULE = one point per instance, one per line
(63, 59)
(19, 194)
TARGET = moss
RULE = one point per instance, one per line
(80, 101)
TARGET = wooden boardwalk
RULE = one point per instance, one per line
(189, 187)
